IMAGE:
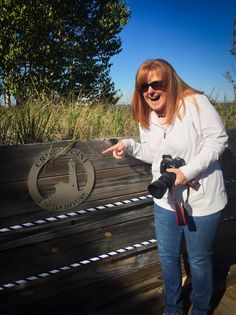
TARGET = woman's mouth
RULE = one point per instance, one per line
(154, 96)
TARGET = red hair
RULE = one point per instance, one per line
(176, 90)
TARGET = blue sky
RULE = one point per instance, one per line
(194, 36)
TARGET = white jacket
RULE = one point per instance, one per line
(199, 138)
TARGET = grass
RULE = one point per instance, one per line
(52, 119)
(57, 119)
(228, 114)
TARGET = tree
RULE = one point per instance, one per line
(61, 46)
(228, 75)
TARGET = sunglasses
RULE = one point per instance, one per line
(156, 85)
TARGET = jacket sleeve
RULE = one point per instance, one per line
(212, 134)
(140, 150)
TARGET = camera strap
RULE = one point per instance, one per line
(180, 210)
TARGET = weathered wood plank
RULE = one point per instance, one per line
(82, 223)
(110, 182)
(17, 160)
(83, 301)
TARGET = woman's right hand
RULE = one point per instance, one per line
(117, 150)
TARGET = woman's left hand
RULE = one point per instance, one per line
(180, 177)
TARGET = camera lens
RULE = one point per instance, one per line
(158, 188)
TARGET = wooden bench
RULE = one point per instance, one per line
(99, 257)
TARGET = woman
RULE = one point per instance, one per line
(177, 120)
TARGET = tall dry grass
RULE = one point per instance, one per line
(227, 112)
(54, 118)
(42, 120)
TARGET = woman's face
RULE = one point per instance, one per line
(154, 92)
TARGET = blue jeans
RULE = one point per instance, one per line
(199, 234)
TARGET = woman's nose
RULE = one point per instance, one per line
(150, 89)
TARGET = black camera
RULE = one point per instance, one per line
(158, 188)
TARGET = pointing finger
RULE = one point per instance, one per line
(110, 149)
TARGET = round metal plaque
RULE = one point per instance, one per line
(61, 179)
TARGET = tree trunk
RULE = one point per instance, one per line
(7, 99)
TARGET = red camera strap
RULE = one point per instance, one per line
(180, 212)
